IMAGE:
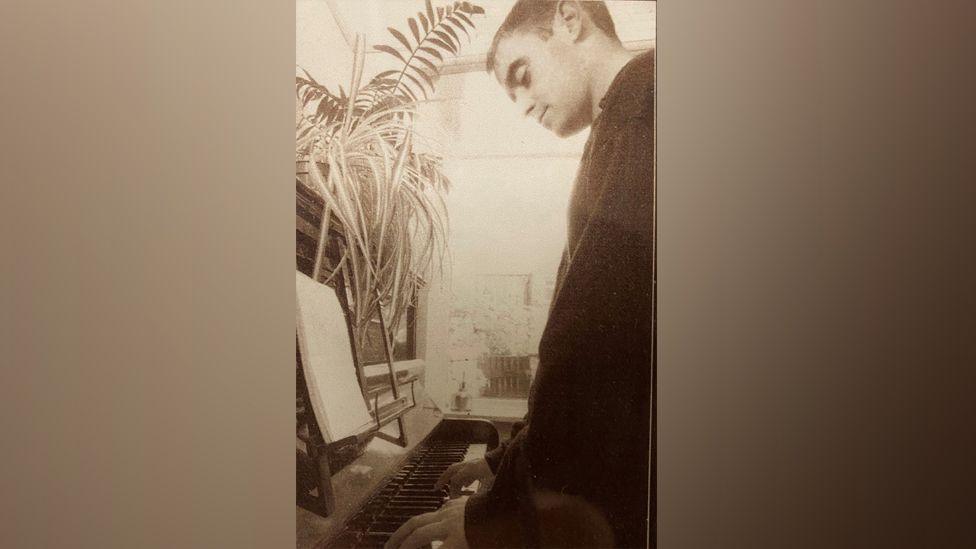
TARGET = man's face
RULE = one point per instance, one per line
(543, 78)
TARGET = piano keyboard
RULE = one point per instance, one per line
(409, 493)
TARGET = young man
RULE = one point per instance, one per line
(580, 471)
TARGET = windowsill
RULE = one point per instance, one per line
(501, 409)
(415, 366)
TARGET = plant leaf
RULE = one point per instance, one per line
(359, 59)
(459, 25)
(434, 70)
(433, 52)
(423, 21)
(417, 82)
(400, 37)
(406, 89)
(464, 18)
(413, 29)
(452, 33)
(446, 38)
(383, 83)
(382, 76)
(470, 8)
(440, 13)
(308, 129)
(312, 80)
(391, 51)
(425, 76)
(430, 11)
(443, 44)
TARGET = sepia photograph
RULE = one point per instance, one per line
(549, 289)
(475, 273)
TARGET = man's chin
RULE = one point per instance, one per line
(567, 131)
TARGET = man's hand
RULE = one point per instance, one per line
(445, 525)
(459, 475)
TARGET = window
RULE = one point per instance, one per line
(404, 344)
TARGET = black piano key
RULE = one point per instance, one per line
(417, 509)
(414, 492)
(417, 495)
(415, 487)
(415, 504)
(420, 490)
(411, 506)
(387, 527)
(373, 540)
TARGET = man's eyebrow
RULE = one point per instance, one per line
(510, 75)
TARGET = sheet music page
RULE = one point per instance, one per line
(327, 361)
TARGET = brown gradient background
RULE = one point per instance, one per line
(815, 285)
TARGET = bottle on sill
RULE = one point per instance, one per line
(462, 399)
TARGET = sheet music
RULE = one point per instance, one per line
(327, 361)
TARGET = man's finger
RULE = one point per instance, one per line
(445, 477)
(408, 528)
(424, 535)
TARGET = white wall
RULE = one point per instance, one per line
(320, 48)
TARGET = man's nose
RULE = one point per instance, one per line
(524, 103)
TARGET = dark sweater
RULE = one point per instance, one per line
(588, 432)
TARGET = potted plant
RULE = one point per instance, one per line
(386, 196)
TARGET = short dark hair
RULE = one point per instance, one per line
(536, 16)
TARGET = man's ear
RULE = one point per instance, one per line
(569, 19)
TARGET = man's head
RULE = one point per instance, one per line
(539, 56)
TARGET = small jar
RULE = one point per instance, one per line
(462, 399)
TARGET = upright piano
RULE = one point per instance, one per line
(355, 492)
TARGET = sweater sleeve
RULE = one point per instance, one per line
(494, 457)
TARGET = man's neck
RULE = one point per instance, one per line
(604, 68)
